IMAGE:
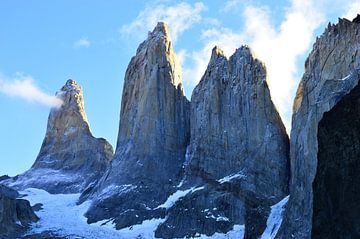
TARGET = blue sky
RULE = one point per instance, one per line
(44, 43)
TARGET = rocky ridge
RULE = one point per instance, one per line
(238, 157)
(324, 136)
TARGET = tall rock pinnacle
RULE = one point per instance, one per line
(152, 139)
(238, 155)
(325, 136)
(70, 158)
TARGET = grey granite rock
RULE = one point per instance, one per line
(15, 214)
(70, 158)
(238, 155)
(152, 139)
(324, 139)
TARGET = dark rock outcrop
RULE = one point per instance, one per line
(70, 158)
(153, 134)
(325, 140)
(238, 160)
(15, 214)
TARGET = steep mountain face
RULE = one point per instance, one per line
(325, 136)
(238, 159)
(15, 214)
(70, 158)
(153, 134)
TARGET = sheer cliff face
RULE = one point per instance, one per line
(154, 118)
(238, 154)
(16, 214)
(153, 134)
(323, 138)
(70, 158)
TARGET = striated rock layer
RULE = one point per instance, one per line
(325, 136)
(238, 159)
(70, 158)
(16, 214)
(153, 134)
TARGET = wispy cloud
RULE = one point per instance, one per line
(82, 42)
(24, 87)
(231, 5)
(180, 17)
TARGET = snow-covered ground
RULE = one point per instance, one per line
(61, 215)
(275, 219)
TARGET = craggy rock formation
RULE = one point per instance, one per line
(238, 159)
(153, 134)
(70, 158)
(15, 214)
(325, 136)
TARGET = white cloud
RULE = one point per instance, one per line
(278, 47)
(234, 5)
(180, 17)
(352, 9)
(225, 38)
(23, 86)
(82, 42)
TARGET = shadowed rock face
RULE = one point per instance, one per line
(15, 214)
(70, 158)
(153, 134)
(336, 187)
(331, 73)
(238, 155)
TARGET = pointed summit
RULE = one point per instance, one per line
(216, 53)
(70, 158)
(152, 139)
(70, 118)
(161, 28)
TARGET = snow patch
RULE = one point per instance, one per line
(44, 177)
(231, 177)
(237, 232)
(116, 189)
(275, 219)
(176, 196)
(62, 216)
(345, 78)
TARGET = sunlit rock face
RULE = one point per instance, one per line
(324, 139)
(238, 158)
(70, 158)
(152, 139)
(16, 214)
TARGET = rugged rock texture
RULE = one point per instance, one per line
(15, 214)
(238, 160)
(70, 158)
(324, 146)
(153, 134)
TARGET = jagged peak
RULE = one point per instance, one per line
(161, 28)
(160, 31)
(343, 26)
(72, 97)
(71, 85)
(357, 19)
(160, 34)
(243, 51)
(216, 53)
